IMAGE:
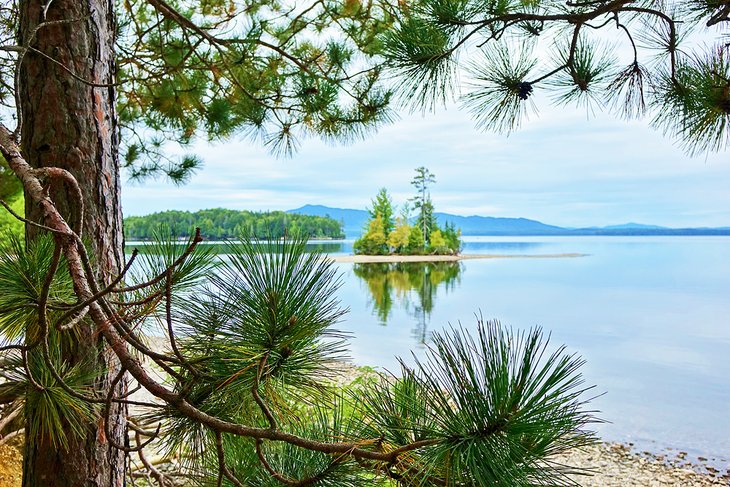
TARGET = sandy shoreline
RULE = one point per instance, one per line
(381, 259)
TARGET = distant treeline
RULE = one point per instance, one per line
(221, 224)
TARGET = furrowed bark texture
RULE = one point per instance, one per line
(72, 125)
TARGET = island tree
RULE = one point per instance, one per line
(379, 227)
(398, 238)
(422, 201)
(383, 205)
(373, 242)
(217, 68)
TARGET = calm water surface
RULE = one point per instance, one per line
(651, 315)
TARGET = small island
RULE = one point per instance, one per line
(385, 235)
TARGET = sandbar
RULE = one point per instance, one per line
(379, 259)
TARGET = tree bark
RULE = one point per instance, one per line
(72, 125)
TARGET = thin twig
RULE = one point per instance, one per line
(194, 243)
(74, 75)
(29, 222)
(159, 476)
(170, 330)
(100, 294)
(12, 435)
(222, 468)
(255, 393)
(267, 466)
(16, 409)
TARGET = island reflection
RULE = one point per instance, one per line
(413, 285)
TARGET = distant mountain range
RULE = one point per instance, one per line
(354, 222)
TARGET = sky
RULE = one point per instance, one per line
(563, 167)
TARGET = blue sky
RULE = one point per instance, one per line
(563, 167)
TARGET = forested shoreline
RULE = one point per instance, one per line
(223, 224)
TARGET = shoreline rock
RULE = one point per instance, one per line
(617, 465)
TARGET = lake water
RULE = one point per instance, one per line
(651, 315)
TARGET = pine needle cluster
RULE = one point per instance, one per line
(281, 72)
(510, 50)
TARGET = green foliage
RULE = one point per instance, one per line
(418, 53)
(222, 224)
(55, 415)
(661, 66)
(500, 95)
(494, 405)
(9, 225)
(278, 73)
(374, 241)
(452, 235)
(437, 244)
(255, 343)
(696, 102)
(422, 180)
(383, 205)
(11, 191)
(426, 221)
(383, 237)
(488, 409)
(9, 183)
(584, 79)
(275, 73)
(416, 243)
(398, 238)
(330, 471)
(54, 412)
(285, 298)
(162, 252)
(22, 273)
(266, 317)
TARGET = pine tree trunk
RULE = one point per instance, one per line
(70, 124)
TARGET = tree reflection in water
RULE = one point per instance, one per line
(412, 284)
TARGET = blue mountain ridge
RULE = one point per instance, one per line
(354, 221)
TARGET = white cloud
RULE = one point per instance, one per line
(561, 168)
